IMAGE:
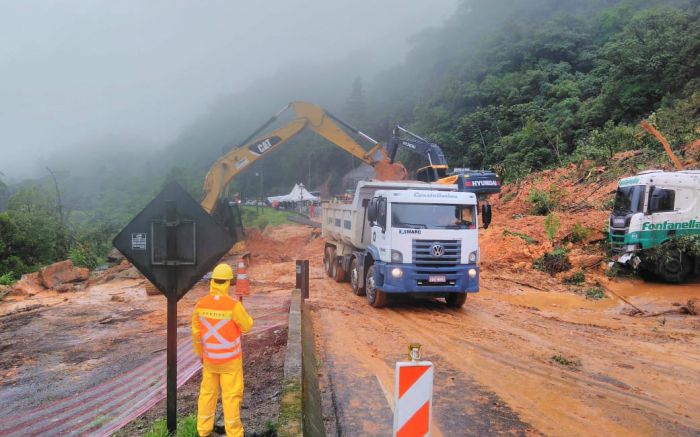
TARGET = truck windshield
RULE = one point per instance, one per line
(433, 216)
(629, 200)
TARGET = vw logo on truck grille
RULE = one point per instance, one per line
(437, 249)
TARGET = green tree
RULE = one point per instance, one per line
(39, 237)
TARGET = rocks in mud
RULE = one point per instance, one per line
(28, 285)
(59, 276)
(128, 273)
(123, 270)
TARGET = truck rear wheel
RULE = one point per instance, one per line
(456, 300)
(675, 267)
(355, 278)
(327, 260)
(375, 297)
(338, 271)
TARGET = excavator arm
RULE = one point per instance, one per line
(479, 182)
(409, 140)
(437, 164)
(308, 116)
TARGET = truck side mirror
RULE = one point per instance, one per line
(655, 203)
(486, 215)
(650, 200)
(381, 213)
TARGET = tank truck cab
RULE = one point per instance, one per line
(650, 209)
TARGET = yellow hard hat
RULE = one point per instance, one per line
(222, 271)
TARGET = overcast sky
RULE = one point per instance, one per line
(75, 70)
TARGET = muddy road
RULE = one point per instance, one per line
(518, 359)
(525, 356)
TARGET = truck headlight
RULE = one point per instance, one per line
(396, 256)
(472, 273)
(396, 272)
(472, 257)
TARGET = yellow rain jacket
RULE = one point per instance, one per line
(217, 323)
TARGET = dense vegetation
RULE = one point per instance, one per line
(550, 81)
(505, 84)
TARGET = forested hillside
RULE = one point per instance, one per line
(520, 86)
(504, 84)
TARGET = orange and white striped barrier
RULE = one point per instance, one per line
(242, 281)
(413, 398)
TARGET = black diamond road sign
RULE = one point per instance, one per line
(173, 241)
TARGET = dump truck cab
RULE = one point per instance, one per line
(405, 237)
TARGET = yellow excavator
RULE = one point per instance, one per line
(258, 146)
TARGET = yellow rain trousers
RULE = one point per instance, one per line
(228, 376)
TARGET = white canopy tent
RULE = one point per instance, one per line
(298, 194)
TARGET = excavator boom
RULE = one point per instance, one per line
(308, 116)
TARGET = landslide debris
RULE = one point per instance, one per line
(576, 197)
(58, 276)
(62, 276)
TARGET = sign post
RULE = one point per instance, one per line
(171, 224)
(173, 242)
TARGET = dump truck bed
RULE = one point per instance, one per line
(345, 223)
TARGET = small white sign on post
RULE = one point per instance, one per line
(413, 398)
(138, 241)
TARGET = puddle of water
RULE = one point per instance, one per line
(555, 301)
(637, 287)
(656, 294)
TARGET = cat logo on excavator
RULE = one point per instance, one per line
(264, 145)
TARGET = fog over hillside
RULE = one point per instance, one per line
(119, 73)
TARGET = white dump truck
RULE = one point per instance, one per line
(405, 237)
(650, 209)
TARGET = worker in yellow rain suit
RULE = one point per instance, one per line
(217, 323)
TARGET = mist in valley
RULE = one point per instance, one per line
(82, 80)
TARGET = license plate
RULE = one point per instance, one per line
(437, 278)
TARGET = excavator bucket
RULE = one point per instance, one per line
(385, 171)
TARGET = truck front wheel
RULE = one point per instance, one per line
(456, 300)
(675, 267)
(355, 278)
(376, 297)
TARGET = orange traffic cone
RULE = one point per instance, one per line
(242, 282)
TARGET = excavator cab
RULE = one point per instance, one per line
(431, 173)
